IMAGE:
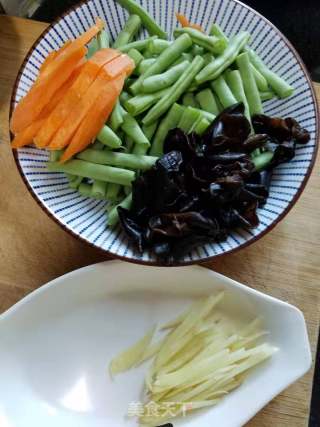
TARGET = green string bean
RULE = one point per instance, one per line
(222, 62)
(156, 46)
(140, 103)
(236, 85)
(207, 101)
(215, 30)
(277, 83)
(211, 43)
(161, 81)
(128, 32)
(152, 27)
(139, 45)
(223, 92)
(188, 119)
(103, 39)
(189, 100)
(164, 60)
(175, 91)
(94, 171)
(113, 216)
(121, 160)
(109, 138)
(170, 121)
(249, 84)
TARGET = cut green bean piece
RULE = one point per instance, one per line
(124, 96)
(128, 32)
(148, 22)
(76, 182)
(121, 160)
(170, 121)
(189, 100)
(223, 92)
(164, 60)
(140, 149)
(175, 91)
(109, 138)
(201, 126)
(116, 118)
(149, 131)
(139, 45)
(103, 39)
(113, 216)
(161, 81)
(235, 83)
(184, 57)
(156, 46)
(277, 83)
(132, 128)
(145, 64)
(140, 103)
(266, 96)
(147, 54)
(215, 30)
(205, 114)
(188, 119)
(85, 189)
(94, 171)
(55, 155)
(97, 145)
(261, 82)
(130, 144)
(127, 190)
(112, 192)
(99, 188)
(222, 62)
(249, 84)
(70, 177)
(208, 58)
(207, 101)
(136, 56)
(262, 160)
(211, 43)
(197, 50)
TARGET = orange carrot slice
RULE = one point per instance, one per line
(43, 89)
(53, 77)
(52, 55)
(182, 20)
(185, 23)
(95, 119)
(26, 137)
(120, 65)
(71, 99)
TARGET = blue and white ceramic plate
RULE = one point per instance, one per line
(86, 218)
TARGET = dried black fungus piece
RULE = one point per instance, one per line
(280, 129)
(228, 130)
(282, 154)
(254, 142)
(131, 227)
(177, 140)
(203, 187)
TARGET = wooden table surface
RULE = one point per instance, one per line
(34, 249)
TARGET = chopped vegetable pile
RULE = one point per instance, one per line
(105, 114)
(204, 186)
(202, 358)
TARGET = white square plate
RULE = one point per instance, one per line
(57, 342)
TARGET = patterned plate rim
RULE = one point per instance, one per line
(181, 263)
